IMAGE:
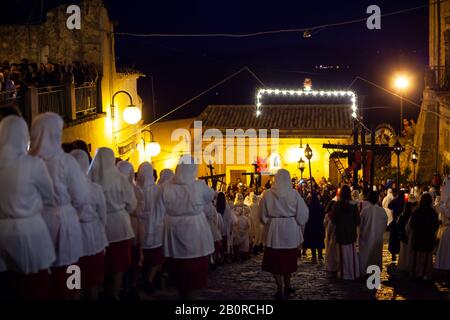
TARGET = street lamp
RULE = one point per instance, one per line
(309, 155)
(132, 114)
(301, 167)
(401, 83)
(414, 161)
(398, 148)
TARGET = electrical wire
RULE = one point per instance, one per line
(263, 33)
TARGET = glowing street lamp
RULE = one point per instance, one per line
(309, 155)
(401, 83)
(301, 167)
(414, 161)
(132, 114)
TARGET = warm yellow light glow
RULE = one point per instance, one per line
(153, 149)
(401, 82)
(132, 114)
(170, 163)
(293, 154)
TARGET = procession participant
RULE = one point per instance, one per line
(211, 215)
(405, 247)
(283, 211)
(331, 254)
(365, 199)
(93, 222)
(153, 223)
(188, 240)
(345, 216)
(396, 207)
(442, 263)
(127, 169)
(71, 192)
(229, 219)
(120, 203)
(371, 231)
(385, 204)
(26, 247)
(165, 175)
(314, 229)
(257, 227)
(423, 225)
(241, 229)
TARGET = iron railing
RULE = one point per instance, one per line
(86, 99)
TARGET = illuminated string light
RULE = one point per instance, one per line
(300, 93)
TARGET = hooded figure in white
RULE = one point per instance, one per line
(25, 243)
(443, 252)
(152, 221)
(119, 194)
(283, 213)
(71, 189)
(213, 220)
(165, 175)
(257, 227)
(241, 230)
(93, 215)
(187, 233)
(385, 203)
(372, 228)
(127, 170)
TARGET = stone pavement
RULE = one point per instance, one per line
(246, 280)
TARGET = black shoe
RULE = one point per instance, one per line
(289, 291)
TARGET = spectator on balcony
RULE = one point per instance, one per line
(78, 73)
(2, 82)
(51, 76)
(32, 77)
(68, 76)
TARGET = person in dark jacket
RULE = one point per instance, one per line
(424, 224)
(345, 216)
(314, 230)
(403, 235)
(396, 206)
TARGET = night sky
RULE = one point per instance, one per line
(183, 67)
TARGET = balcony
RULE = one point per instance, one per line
(73, 104)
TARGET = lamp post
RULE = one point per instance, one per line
(309, 155)
(414, 161)
(398, 148)
(401, 83)
(301, 167)
(132, 114)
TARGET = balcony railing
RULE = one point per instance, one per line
(68, 101)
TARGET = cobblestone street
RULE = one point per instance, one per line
(246, 280)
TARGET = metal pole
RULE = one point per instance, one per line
(401, 114)
(398, 172)
(414, 174)
(310, 175)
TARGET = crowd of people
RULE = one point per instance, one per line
(125, 227)
(15, 78)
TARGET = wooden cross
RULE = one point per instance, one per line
(215, 178)
(257, 183)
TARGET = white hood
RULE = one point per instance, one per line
(145, 176)
(127, 170)
(46, 134)
(82, 159)
(13, 140)
(282, 185)
(103, 168)
(165, 175)
(186, 171)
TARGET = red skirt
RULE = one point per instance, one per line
(135, 256)
(189, 274)
(92, 270)
(280, 261)
(35, 286)
(59, 289)
(153, 257)
(118, 257)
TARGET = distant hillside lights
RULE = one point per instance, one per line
(73, 22)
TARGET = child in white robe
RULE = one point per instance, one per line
(71, 191)
(25, 243)
(120, 203)
(93, 222)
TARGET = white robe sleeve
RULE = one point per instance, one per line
(100, 205)
(302, 212)
(43, 183)
(128, 196)
(263, 213)
(76, 184)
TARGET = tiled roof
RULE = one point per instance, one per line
(292, 120)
